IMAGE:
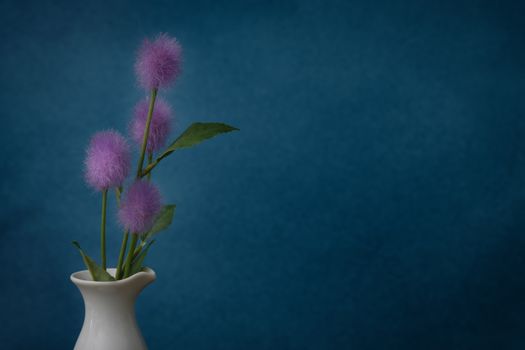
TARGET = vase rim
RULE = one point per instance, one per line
(79, 277)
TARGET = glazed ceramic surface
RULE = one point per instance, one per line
(109, 321)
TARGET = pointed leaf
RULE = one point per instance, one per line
(196, 133)
(136, 265)
(97, 272)
(162, 222)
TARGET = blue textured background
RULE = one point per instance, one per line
(374, 198)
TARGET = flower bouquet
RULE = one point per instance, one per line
(109, 294)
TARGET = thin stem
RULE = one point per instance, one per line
(118, 194)
(127, 270)
(147, 170)
(103, 229)
(118, 274)
(139, 175)
(146, 132)
(150, 160)
(138, 249)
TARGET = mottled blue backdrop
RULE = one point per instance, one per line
(373, 199)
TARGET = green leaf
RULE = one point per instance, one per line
(97, 272)
(136, 265)
(196, 133)
(162, 222)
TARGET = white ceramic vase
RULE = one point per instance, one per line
(109, 321)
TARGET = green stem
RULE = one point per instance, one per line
(139, 175)
(118, 274)
(147, 170)
(150, 160)
(138, 249)
(118, 194)
(103, 229)
(127, 270)
(146, 132)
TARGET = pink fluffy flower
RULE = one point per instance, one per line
(107, 160)
(158, 62)
(159, 127)
(140, 206)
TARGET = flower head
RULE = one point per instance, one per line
(158, 62)
(107, 160)
(140, 206)
(159, 127)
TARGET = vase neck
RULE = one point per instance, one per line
(121, 290)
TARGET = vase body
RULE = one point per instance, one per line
(109, 321)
